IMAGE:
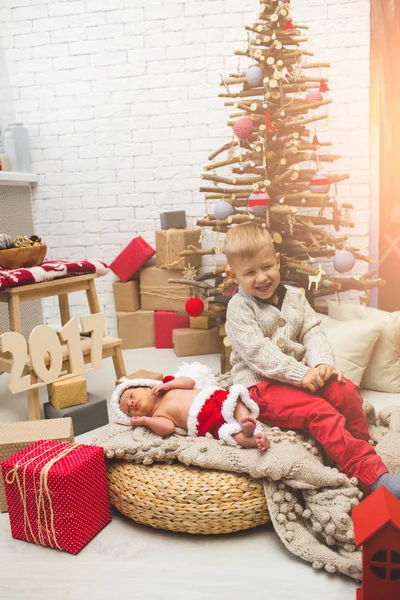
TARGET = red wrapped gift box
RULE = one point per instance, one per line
(134, 256)
(165, 322)
(57, 494)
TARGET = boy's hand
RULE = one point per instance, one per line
(163, 387)
(135, 421)
(327, 372)
(312, 380)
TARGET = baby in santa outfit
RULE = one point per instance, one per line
(190, 400)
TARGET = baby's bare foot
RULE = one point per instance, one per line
(262, 441)
(248, 425)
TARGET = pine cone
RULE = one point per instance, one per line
(21, 241)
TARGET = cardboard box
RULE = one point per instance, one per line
(132, 257)
(126, 296)
(136, 329)
(173, 220)
(192, 342)
(57, 500)
(169, 243)
(70, 391)
(157, 294)
(142, 374)
(17, 436)
(202, 322)
(165, 322)
(85, 417)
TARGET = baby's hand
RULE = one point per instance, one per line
(163, 387)
(135, 421)
(312, 380)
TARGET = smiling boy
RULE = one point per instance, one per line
(284, 359)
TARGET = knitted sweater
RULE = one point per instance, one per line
(272, 343)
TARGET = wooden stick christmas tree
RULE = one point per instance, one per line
(277, 164)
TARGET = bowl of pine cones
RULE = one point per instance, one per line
(21, 251)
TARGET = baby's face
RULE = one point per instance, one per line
(137, 402)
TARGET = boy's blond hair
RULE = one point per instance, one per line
(245, 241)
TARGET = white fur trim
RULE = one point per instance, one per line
(232, 426)
(196, 406)
(120, 389)
(202, 375)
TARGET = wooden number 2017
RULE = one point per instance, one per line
(45, 347)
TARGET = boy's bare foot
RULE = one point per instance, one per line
(248, 425)
(262, 441)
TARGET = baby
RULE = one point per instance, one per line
(189, 400)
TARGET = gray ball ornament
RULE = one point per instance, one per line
(223, 210)
(5, 241)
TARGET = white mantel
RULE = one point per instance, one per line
(13, 178)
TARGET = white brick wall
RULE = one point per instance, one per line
(122, 109)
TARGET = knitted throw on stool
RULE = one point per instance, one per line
(309, 503)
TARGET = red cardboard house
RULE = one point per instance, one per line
(377, 529)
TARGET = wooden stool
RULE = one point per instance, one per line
(60, 288)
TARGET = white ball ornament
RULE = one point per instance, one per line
(223, 210)
(343, 261)
(254, 75)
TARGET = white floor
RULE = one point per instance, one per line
(127, 560)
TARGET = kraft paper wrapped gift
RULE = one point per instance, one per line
(172, 241)
(157, 294)
(57, 494)
(70, 391)
(136, 329)
(126, 296)
(142, 374)
(85, 417)
(165, 322)
(173, 220)
(16, 436)
(202, 322)
(192, 342)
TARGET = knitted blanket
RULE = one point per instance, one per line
(309, 503)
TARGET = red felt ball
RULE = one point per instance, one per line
(194, 307)
(243, 128)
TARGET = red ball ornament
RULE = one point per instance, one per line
(258, 202)
(320, 184)
(243, 128)
(194, 307)
(314, 96)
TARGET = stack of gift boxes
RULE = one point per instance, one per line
(150, 310)
(69, 397)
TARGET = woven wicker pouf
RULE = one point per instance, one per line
(186, 499)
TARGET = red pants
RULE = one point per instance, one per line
(333, 416)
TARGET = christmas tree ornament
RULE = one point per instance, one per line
(223, 210)
(323, 86)
(258, 202)
(288, 25)
(194, 307)
(319, 184)
(243, 128)
(297, 72)
(314, 96)
(189, 272)
(343, 261)
(254, 75)
(5, 241)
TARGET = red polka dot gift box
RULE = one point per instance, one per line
(57, 494)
